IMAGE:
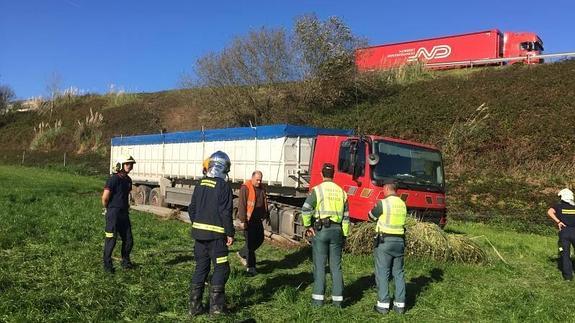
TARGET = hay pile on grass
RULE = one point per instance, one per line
(462, 249)
(423, 240)
(426, 240)
(360, 241)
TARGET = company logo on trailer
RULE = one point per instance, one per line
(439, 51)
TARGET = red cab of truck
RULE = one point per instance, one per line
(362, 162)
(482, 45)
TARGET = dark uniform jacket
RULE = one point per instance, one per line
(119, 185)
(211, 210)
(565, 212)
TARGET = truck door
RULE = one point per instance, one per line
(353, 177)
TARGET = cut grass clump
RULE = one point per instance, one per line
(426, 240)
(422, 240)
(462, 249)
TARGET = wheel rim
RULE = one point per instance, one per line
(140, 197)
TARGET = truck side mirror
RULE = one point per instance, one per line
(373, 159)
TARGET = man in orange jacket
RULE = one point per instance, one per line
(252, 210)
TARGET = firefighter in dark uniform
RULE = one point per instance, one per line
(390, 214)
(563, 213)
(213, 231)
(326, 218)
(115, 200)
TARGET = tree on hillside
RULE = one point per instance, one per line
(257, 78)
(238, 76)
(6, 95)
(324, 47)
(325, 51)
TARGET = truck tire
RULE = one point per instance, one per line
(274, 219)
(133, 193)
(156, 198)
(235, 208)
(142, 196)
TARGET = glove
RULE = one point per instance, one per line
(104, 211)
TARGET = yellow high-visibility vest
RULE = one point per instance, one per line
(392, 218)
(330, 201)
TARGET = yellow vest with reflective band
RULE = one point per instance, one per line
(330, 201)
(392, 218)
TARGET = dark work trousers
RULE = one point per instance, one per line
(117, 223)
(327, 245)
(215, 252)
(389, 260)
(566, 240)
(254, 235)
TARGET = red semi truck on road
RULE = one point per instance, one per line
(482, 45)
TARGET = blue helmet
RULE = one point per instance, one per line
(219, 165)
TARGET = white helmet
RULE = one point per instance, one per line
(566, 196)
(123, 159)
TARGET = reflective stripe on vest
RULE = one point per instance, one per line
(392, 219)
(208, 183)
(330, 201)
(207, 227)
(251, 201)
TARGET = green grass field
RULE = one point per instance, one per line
(51, 237)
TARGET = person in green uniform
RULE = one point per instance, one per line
(390, 214)
(326, 218)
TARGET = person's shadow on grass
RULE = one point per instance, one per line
(356, 290)
(291, 260)
(252, 296)
(417, 285)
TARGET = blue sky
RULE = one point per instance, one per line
(145, 46)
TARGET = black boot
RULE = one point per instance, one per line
(217, 300)
(127, 264)
(196, 293)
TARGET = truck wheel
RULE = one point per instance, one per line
(142, 196)
(235, 208)
(133, 194)
(156, 198)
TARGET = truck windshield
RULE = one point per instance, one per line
(408, 164)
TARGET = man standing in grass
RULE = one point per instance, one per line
(390, 214)
(327, 206)
(210, 212)
(115, 199)
(252, 210)
(563, 213)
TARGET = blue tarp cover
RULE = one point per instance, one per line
(227, 134)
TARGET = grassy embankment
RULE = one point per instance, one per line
(50, 269)
(504, 162)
